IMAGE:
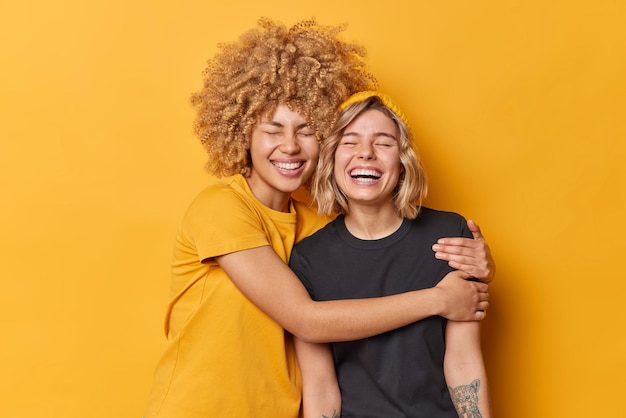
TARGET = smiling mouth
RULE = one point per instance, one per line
(363, 174)
(287, 166)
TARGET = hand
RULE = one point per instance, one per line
(463, 300)
(469, 255)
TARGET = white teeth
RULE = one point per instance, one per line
(288, 166)
(359, 172)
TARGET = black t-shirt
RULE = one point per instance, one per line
(398, 373)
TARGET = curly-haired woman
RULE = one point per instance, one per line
(267, 101)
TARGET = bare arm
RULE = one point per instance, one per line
(470, 255)
(269, 283)
(465, 370)
(321, 397)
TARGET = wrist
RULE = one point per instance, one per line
(433, 301)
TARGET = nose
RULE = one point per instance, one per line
(365, 152)
(290, 144)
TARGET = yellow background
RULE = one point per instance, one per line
(519, 112)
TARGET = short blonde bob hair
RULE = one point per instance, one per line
(305, 66)
(411, 189)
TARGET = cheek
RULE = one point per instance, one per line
(342, 158)
(399, 172)
(255, 145)
(338, 170)
(313, 149)
(337, 164)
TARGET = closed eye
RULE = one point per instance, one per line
(347, 143)
(385, 144)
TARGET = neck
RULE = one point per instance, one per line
(272, 198)
(372, 222)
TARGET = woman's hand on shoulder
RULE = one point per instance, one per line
(471, 255)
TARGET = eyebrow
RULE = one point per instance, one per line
(280, 125)
(376, 134)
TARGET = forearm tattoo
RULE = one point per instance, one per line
(334, 415)
(465, 399)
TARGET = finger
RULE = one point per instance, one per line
(460, 260)
(475, 229)
(479, 315)
(477, 272)
(482, 287)
(462, 246)
(469, 268)
(456, 241)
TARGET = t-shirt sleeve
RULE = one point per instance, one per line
(465, 232)
(301, 268)
(219, 221)
(308, 220)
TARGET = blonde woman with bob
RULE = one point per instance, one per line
(267, 101)
(380, 245)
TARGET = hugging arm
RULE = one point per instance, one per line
(271, 285)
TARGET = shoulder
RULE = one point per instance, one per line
(308, 221)
(310, 253)
(321, 238)
(222, 190)
(440, 215)
(222, 219)
(444, 222)
(222, 199)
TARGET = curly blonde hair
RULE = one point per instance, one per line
(305, 66)
(412, 186)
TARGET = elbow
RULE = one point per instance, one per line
(322, 322)
(310, 330)
(308, 326)
(308, 333)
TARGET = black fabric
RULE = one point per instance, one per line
(399, 373)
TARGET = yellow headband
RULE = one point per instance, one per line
(363, 95)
